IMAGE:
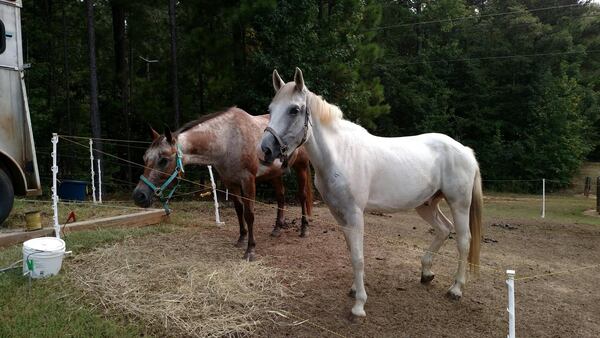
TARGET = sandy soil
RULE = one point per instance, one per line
(565, 305)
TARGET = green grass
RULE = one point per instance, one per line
(53, 307)
(83, 211)
(559, 209)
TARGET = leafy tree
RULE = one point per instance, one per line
(517, 80)
(502, 78)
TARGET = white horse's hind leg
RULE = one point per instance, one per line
(432, 214)
(463, 241)
(352, 292)
(354, 232)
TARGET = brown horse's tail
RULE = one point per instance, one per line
(309, 191)
(475, 223)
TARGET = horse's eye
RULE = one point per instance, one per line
(163, 162)
(294, 110)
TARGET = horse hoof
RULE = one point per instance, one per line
(304, 233)
(250, 256)
(276, 232)
(354, 319)
(352, 293)
(426, 279)
(453, 296)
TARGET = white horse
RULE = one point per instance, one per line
(356, 171)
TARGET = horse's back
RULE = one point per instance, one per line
(442, 143)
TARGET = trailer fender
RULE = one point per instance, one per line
(12, 168)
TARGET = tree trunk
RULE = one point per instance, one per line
(201, 84)
(66, 70)
(239, 50)
(121, 71)
(419, 27)
(94, 111)
(174, 85)
(320, 11)
(50, 91)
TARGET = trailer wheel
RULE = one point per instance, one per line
(7, 195)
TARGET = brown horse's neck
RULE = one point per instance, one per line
(200, 144)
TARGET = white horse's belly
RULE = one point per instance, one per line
(389, 194)
(407, 178)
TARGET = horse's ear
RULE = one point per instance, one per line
(168, 134)
(153, 132)
(299, 79)
(277, 81)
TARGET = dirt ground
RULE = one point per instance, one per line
(565, 305)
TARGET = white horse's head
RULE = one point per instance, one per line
(289, 126)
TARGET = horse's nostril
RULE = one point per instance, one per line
(266, 151)
(139, 196)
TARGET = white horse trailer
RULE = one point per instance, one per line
(18, 164)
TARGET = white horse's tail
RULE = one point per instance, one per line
(475, 220)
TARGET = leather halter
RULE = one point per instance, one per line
(283, 147)
(159, 191)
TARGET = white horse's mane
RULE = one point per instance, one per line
(326, 112)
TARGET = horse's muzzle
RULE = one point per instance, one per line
(142, 197)
(269, 149)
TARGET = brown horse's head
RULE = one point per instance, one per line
(160, 161)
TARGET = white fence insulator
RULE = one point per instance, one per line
(54, 185)
(92, 170)
(510, 283)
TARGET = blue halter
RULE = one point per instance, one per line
(160, 191)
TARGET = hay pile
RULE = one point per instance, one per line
(182, 284)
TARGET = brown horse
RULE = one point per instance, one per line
(226, 140)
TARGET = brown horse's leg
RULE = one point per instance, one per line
(302, 175)
(239, 210)
(249, 193)
(280, 195)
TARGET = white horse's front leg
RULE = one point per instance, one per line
(354, 232)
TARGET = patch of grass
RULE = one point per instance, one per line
(559, 209)
(86, 240)
(53, 307)
(83, 211)
(195, 213)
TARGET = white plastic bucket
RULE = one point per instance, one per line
(45, 255)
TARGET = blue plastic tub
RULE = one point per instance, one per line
(72, 190)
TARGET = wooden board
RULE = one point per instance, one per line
(148, 217)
